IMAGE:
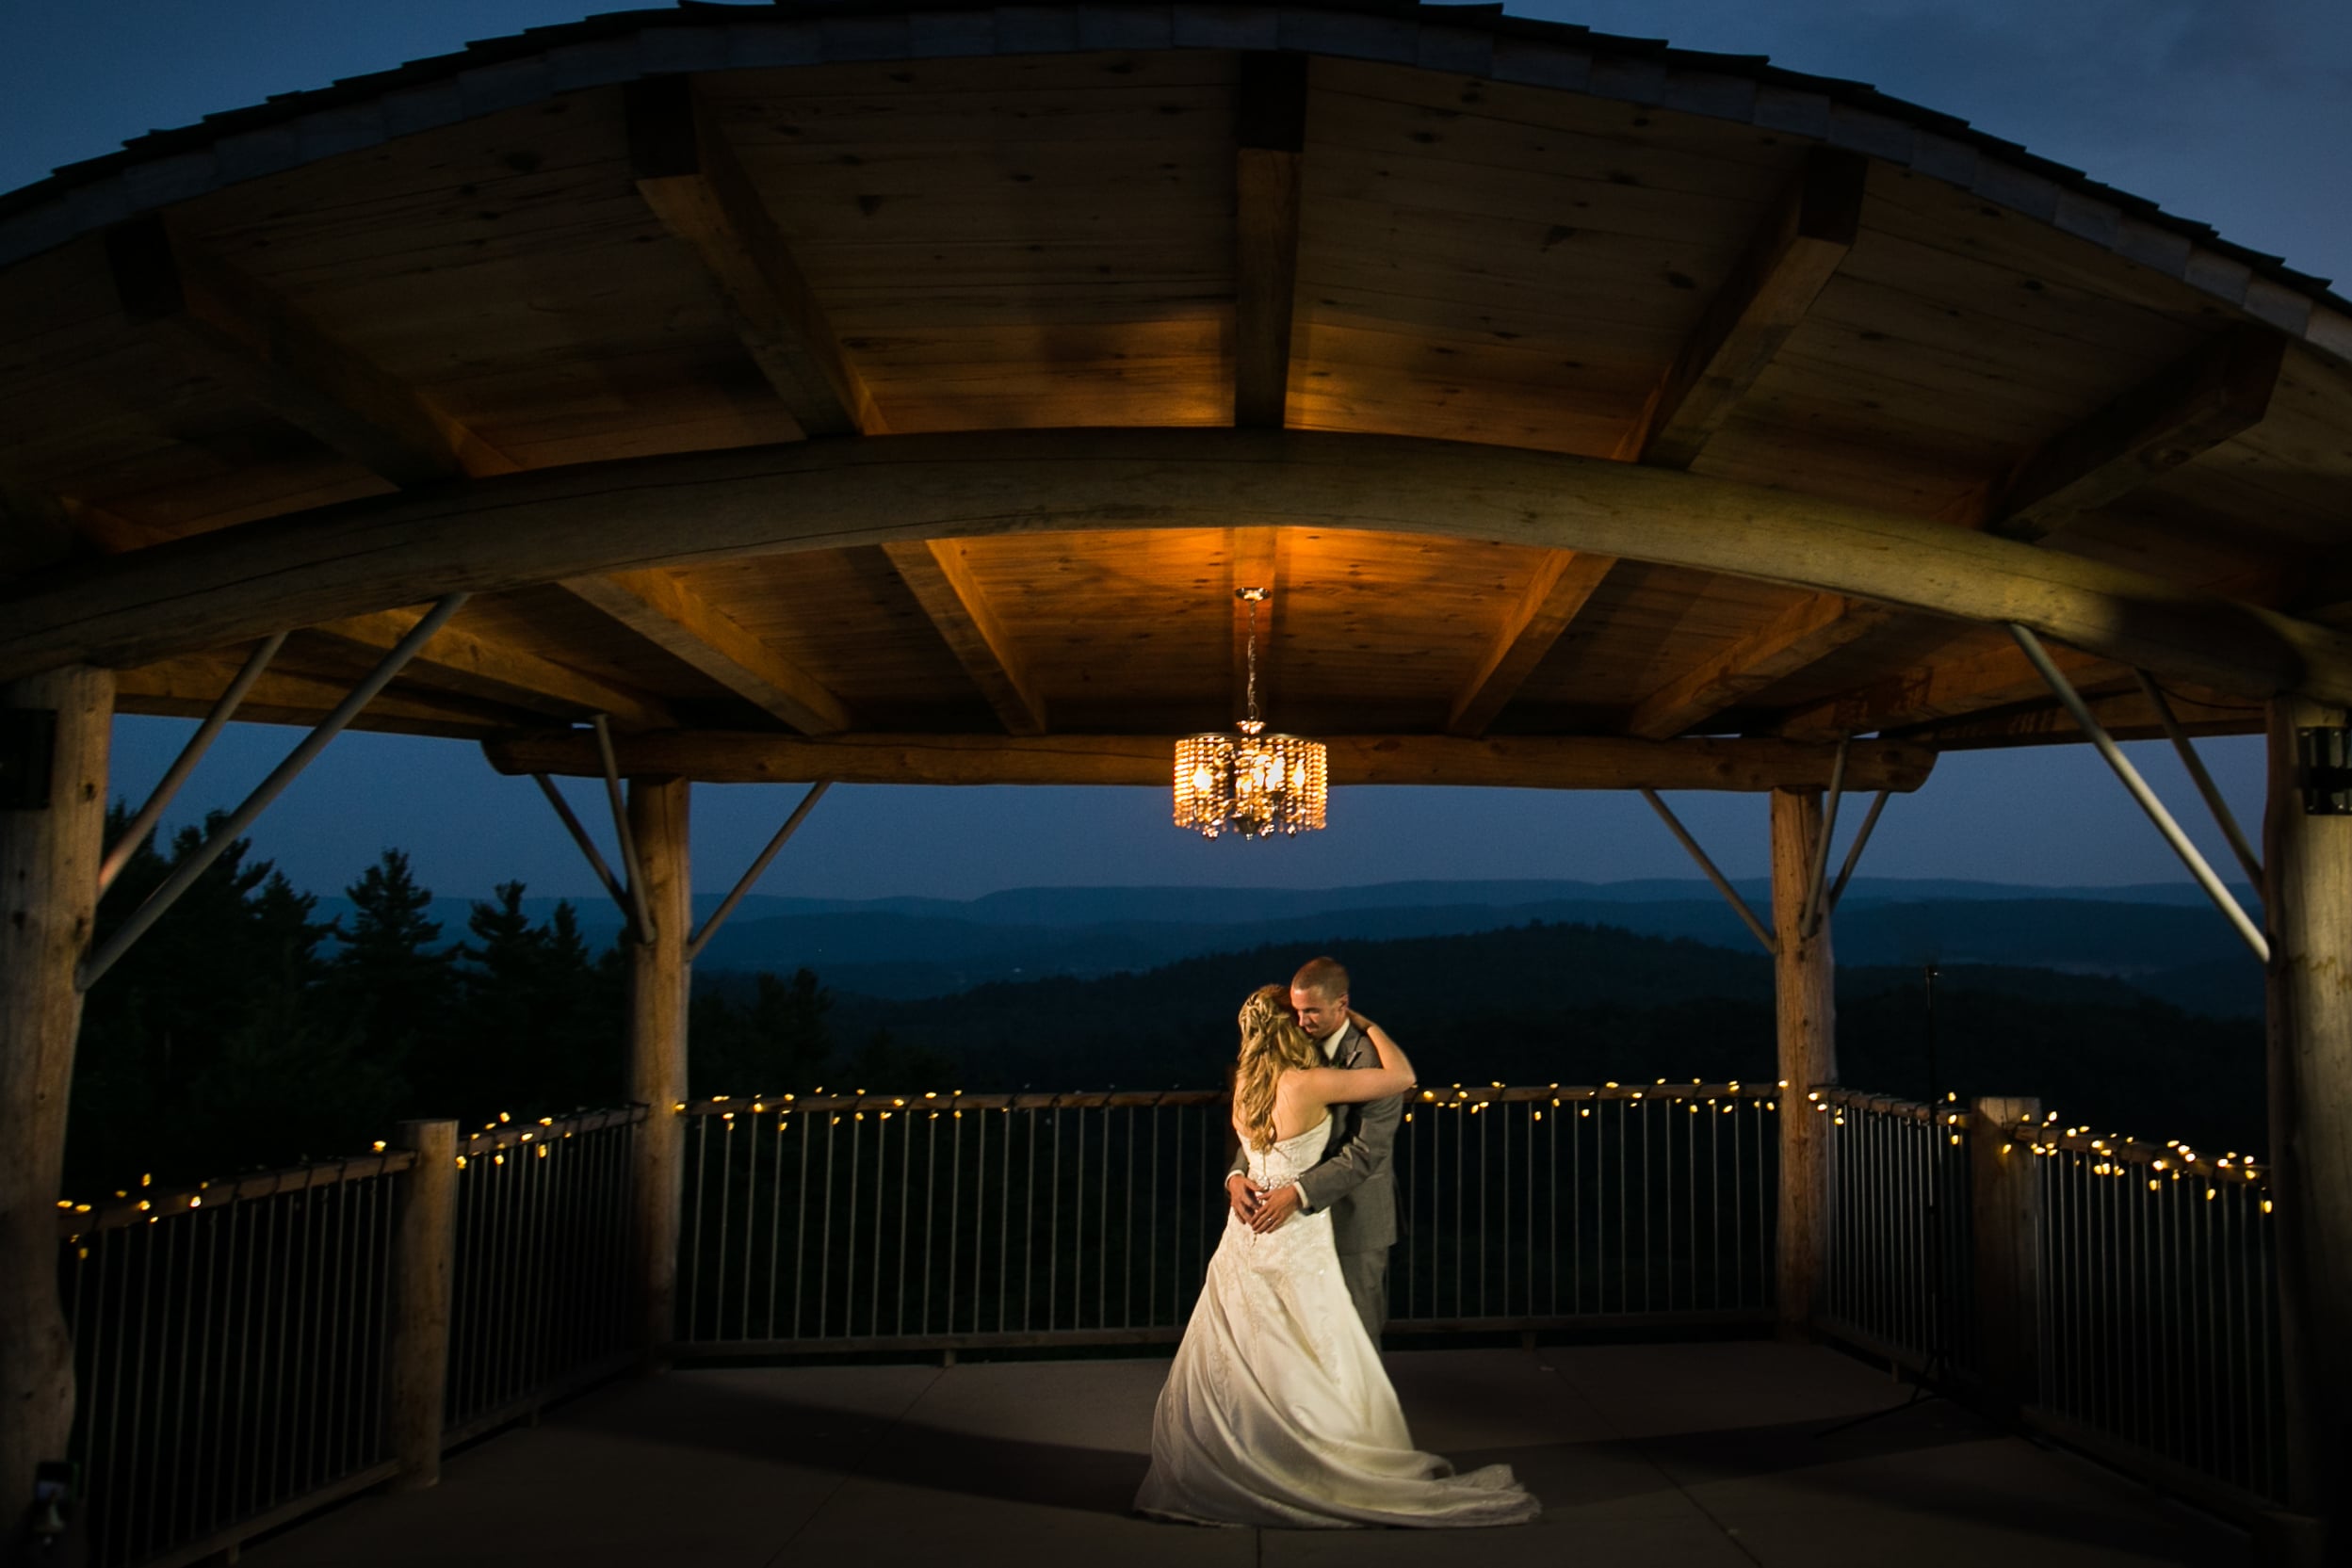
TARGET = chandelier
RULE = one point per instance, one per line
(1252, 783)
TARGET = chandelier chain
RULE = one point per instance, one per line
(1253, 662)
(1251, 785)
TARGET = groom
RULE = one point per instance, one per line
(1352, 1180)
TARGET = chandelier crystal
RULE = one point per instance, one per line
(1250, 782)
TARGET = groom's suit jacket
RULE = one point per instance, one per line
(1355, 1180)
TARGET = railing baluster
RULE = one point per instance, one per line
(1053, 1213)
(882, 1165)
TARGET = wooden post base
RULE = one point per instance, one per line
(425, 1222)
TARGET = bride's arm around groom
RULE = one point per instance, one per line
(1374, 1089)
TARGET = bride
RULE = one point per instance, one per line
(1277, 1410)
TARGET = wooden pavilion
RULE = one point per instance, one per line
(855, 393)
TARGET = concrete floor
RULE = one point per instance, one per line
(1649, 1454)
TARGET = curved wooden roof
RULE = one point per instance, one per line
(844, 390)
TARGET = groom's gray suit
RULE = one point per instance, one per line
(1354, 1182)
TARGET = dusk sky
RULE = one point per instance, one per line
(2233, 114)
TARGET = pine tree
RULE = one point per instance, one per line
(231, 970)
(776, 1042)
(393, 989)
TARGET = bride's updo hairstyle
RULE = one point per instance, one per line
(1271, 1043)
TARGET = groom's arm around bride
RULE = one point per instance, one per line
(1352, 1182)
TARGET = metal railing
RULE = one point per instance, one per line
(232, 1340)
(2158, 1311)
(1899, 1266)
(2150, 1292)
(839, 1222)
(229, 1354)
(1533, 1206)
(846, 1223)
(541, 1289)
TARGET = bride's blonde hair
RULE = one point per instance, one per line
(1271, 1044)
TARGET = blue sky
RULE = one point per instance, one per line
(2233, 113)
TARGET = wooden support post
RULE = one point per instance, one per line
(1806, 1005)
(658, 995)
(426, 1230)
(2004, 1199)
(50, 849)
(2309, 862)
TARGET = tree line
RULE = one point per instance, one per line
(245, 1031)
(1576, 1003)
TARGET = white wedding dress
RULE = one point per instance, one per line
(1277, 1410)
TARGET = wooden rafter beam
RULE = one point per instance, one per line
(1269, 116)
(939, 573)
(1801, 242)
(1794, 253)
(187, 686)
(691, 178)
(2124, 715)
(472, 665)
(663, 610)
(1807, 632)
(242, 582)
(1953, 688)
(1565, 580)
(1597, 762)
(2220, 390)
(1253, 558)
(236, 331)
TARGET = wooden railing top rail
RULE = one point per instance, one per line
(1833, 1098)
(149, 1204)
(2112, 1152)
(1453, 1096)
(2109, 1156)
(505, 1134)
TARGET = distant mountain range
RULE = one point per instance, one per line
(2161, 938)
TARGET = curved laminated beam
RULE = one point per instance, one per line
(1525, 762)
(678, 510)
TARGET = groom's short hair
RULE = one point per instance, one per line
(1321, 976)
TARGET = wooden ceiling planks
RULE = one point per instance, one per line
(1049, 240)
(617, 346)
(892, 192)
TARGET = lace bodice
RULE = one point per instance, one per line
(1290, 1157)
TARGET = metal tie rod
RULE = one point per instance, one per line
(1739, 905)
(1817, 881)
(183, 877)
(137, 830)
(588, 846)
(2223, 818)
(629, 863)
(2140, 792)
(1854, 852)
(744, 885)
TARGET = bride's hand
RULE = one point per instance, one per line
(1359, 1021)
